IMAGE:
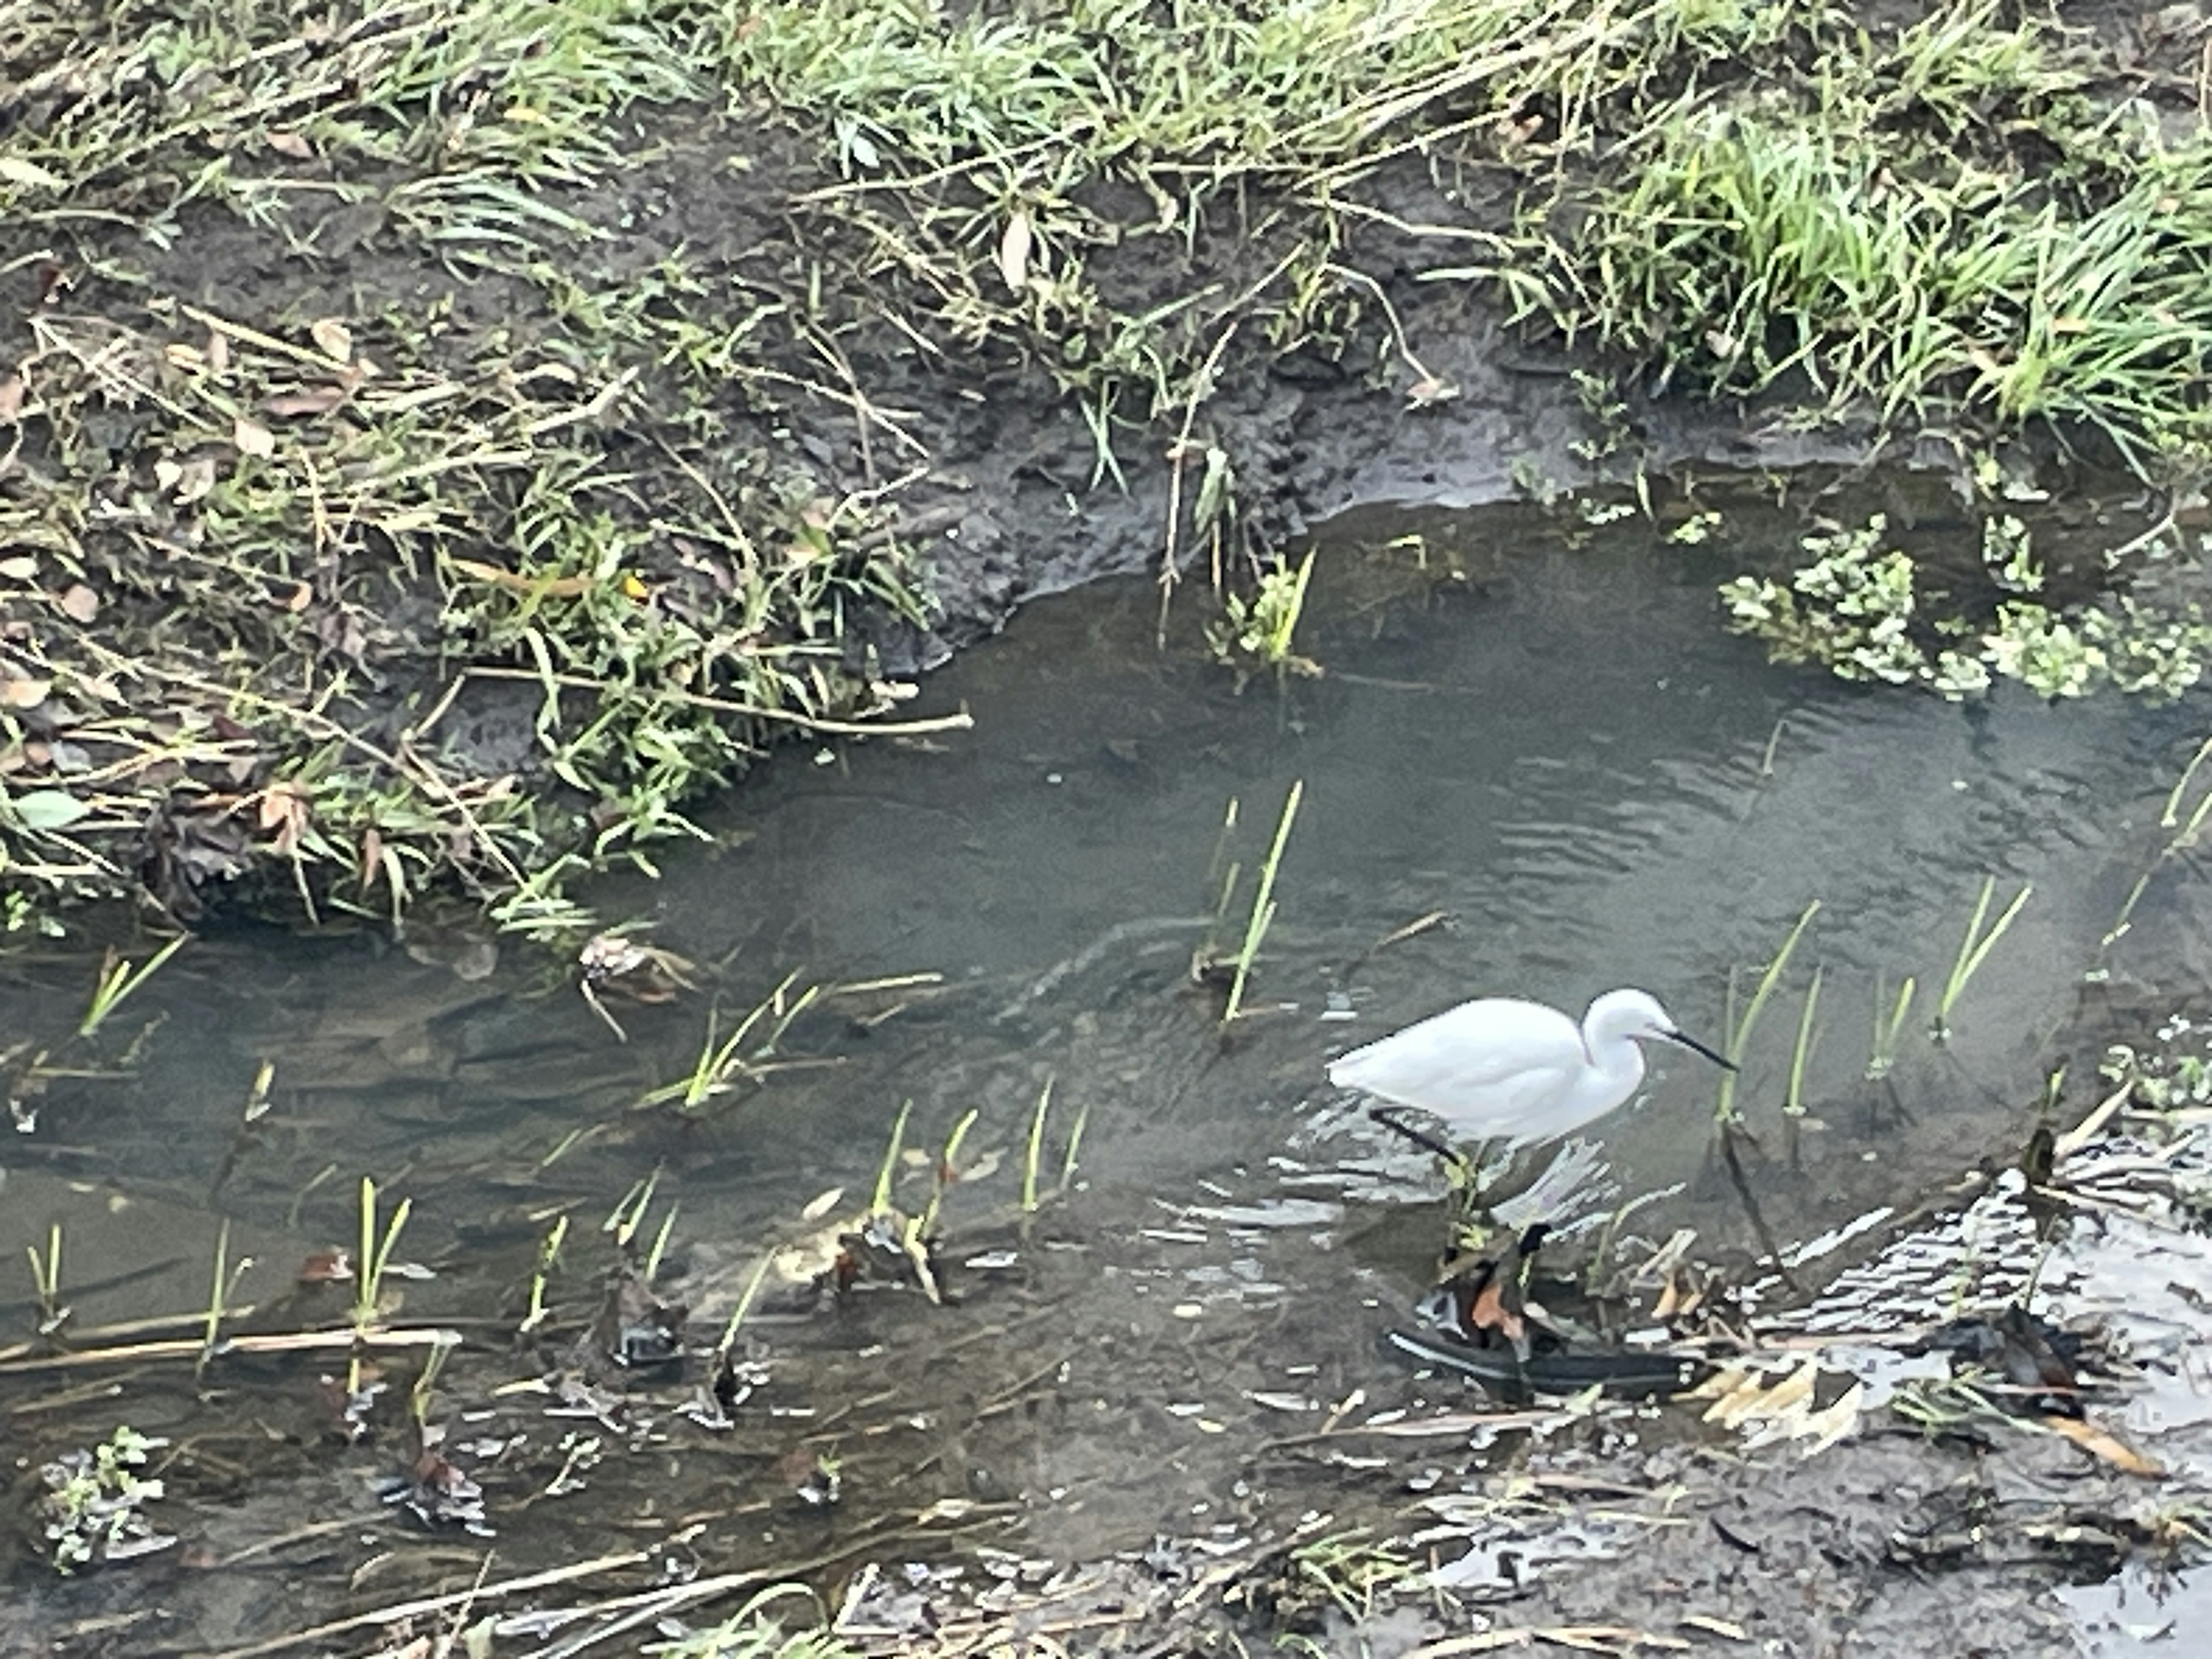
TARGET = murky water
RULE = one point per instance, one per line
(1555, 748)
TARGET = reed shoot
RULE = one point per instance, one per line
(1889, 1020)
(1974, 950)
(1263, 904)
(1740, 1031)
(1034, 1153)
(119, 980)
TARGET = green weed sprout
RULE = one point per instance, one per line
(882, 1201)
(549, 1253)
(721, 1068)
(1036, 1150)
(1974, 950)
(1889, 1020)
(369, 1269)
(46, 1281)
(1792, 1102)
(1739, 1039)
(1263, 904)
(119, 981)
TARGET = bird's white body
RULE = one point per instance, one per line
(1503, 1069)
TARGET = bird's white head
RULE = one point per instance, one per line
(1618, 1014)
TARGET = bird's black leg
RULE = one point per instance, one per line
(1389, 1120)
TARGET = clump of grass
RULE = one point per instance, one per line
(1353, 1569)
(1259, 633)
(744, 1055)
(1820, 238)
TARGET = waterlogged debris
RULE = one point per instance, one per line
(634, 1328)
(1769, 1409)
(92, 1512)
(436, 1490)
(822, 1203)
(614, 964)
(2033, 1362)
(2107, 1446)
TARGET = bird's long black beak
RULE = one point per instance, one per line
(1697, 1047)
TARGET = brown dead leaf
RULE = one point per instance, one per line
(253, 438)
(315, 400)
(79, 602)
(334, 338)
(24, 694)
(284, 810)
(218, 351)
(1014, 251)
(296, 600)
(2106, 1447)
(292, 145)
(11, 398)
(1491, 1312)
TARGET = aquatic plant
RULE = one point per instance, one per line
(1259, 633)
(1974, 950)
(548, 1255)
(1740, 1031)
(46, 1280)
(751, 1632)
(1033, 1152)
(120, 979)
(1801, 1056)
(370, 1266)
(94, 1509)
(1262, 913)
(721, 1067)
(1890, 1016)
(1857, 610)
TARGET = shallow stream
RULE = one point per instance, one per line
(1546, 740)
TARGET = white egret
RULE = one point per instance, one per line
(1500, 1069)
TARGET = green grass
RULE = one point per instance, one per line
(1939, 226)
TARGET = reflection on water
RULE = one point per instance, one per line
(1559, 749)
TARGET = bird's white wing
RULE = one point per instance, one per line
(1487, 1068)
